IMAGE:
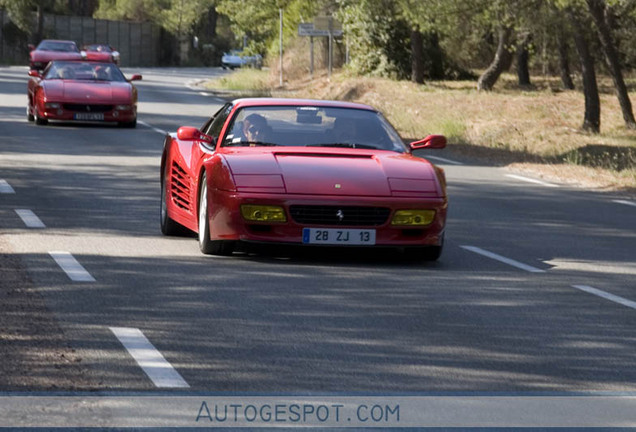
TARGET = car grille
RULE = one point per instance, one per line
(88, 108)
(339, 215)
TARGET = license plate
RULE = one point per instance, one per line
(335, 236)
(88, 116)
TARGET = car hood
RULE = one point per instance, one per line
(46, 56)
(344, 172)
(88, 91)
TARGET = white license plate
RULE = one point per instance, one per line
(88, 116)
(335, 236)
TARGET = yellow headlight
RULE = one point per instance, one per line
(263, 213)
(413, 217)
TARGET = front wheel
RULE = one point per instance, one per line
(207, 246)
(40, 121)
(30, 116)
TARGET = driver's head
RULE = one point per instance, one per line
(254, 127)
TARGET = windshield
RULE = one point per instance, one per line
(98, 48)
(312, 126)
(58, 46)
(83, 71)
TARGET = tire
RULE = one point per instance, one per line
(207, 246)
(168, 226)
(40, 121)
(427, 253)
(30, 116)
(130, 125)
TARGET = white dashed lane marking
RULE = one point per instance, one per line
(30, 219)
(5, 187)
(629, 203)
(153, 363)
(161, 131)
(606, 295)
(531, 180)
(503, 259)
(443, 160)
(75, 271)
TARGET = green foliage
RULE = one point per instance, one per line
(378, 40)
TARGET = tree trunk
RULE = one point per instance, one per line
(523, 73)
(592, 117)
(564, 61)
(597, 9)
(417, 58)
(501, 62)
(436, 56)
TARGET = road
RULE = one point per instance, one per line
(534, 291)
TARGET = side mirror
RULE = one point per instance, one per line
(135, 77)
(31, 47)
(187, 133)
(431, 142)
(35, 73)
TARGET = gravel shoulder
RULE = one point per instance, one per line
(35, 354)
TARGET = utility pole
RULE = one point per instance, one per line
(280, 45)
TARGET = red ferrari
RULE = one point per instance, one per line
(302, 172)
(49, 50)
(101, 53)
(82, 91)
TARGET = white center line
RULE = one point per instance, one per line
(158, 369)
(441, 159)
(606, 295)
(5, 187)
(161, 131)
(629, 203)
(531, 180)
(30, 219)
(503, 259)
(71, 267)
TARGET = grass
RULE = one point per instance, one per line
(535, 130)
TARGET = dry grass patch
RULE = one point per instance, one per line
(536, 130)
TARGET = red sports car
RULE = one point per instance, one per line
(302, 172)
(48, 50)
(84, 91)
(101, 53)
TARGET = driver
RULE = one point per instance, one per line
(255, 128)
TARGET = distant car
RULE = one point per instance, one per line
(49, 49)
(236, 59)
(302, 172)
(101, 53)
(82, 91)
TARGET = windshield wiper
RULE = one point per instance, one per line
(251, 144)
(347, 145)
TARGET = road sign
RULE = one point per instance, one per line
(309, 29)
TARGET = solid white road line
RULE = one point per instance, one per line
(30, 219)
(606, 295)
(161, 131)
(71, 267)
(502, 259)
(531, 180)
(441, 159)
(629, 203)
(158, 369)
(5, 187)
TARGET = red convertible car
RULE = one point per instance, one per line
(83, 91)
(49, 50)
(302, 172)
(101, 53)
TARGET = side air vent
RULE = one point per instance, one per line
(181, 187)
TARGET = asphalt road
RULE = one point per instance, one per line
(534, 291)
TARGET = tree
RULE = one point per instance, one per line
(600, 13)
(592, 116)
(501, 62)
